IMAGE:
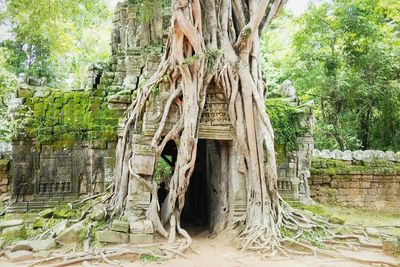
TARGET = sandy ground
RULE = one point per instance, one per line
(221, 252)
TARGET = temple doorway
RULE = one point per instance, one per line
(196, 210)
(206, 200)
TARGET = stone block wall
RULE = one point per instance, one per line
(372, 183)
(63, 143)
(5, 170)
(293, 123)
(5, 177)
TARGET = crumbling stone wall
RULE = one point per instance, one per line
(293, 125)
(372, 182)
(5, 171)
(64, 142)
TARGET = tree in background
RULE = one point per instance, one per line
(8, 83)
(56, 39)
(344, 55)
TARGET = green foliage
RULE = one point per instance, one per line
(163, 171)
(155, 90)
(149, 258)
(345, 55)
(285, 121)
(8, 84)
(211, 57)
(56, 39)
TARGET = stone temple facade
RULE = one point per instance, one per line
(64, 142)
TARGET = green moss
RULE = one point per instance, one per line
(63, 118)
(39, 223)
(4, 164)
(338, 167)
(63, 213)
(14, 232)
(316, 209)
(149, 258)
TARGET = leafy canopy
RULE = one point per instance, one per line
(345, 55)
(54, 39)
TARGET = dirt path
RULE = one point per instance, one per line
(221, 251)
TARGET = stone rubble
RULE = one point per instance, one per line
(20, 256)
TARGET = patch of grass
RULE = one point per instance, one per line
(316, 209)
(149, 258)
(357, 216)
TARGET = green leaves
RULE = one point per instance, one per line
(285, 120)
(50, 37)
(345, 55)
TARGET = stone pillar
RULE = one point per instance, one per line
(237, 188)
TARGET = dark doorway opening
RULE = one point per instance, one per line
(196, 210)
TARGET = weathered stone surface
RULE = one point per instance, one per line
(42, 93)
(379, 154)
(15, 231)
(141, 238)
(60, 227)
(370, 180)
(21, 245)
(20, 256)
(42, 245)
(42, 254)
(336, 220)
(112, 237)
(47, 213)
(63, 213)
(148, 227)
(337, 154)
(98, 213)
(10, 223)
(397, 157)
(137, 227)
(372, 231)
(358, 155)
(308, 213)
(34, 245)
(73, 234)
(120, 226)
(369, 154)
(316, 153)
(390, 155)
(326, 154)
(347, 155)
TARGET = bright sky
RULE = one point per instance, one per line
(298, 7)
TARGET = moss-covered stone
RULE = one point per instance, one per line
(63, 213)
(332, 167)
(14, 232)
(39, 223)
(74, 234)
(64, 118)
(47, 213)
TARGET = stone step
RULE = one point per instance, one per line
(35, 205)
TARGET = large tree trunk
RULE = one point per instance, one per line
(218, 42)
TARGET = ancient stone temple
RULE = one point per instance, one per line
(64, 141)
(294, 165)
